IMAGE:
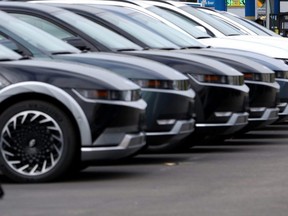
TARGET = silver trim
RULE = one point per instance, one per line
(180, 127)
(281, 79)
(125, 143)
(235, 120)
(62, 96)
(284, 112)
(130, 144)
(268, 114)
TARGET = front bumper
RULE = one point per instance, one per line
(169, 116)
(130, 144)
(283, 96)
(236, 122)
(261, 118)
(169, 139)
(283, 112)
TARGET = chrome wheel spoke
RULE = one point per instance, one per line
(34, 169)
(23, 167)
(44, 166)
(8, 132)
(8, 153)
(52, 159)
(34, 117)
(6, 142)
(44, 121)
(57, 138)
(14, 162)
(57, 149)
(24, 118)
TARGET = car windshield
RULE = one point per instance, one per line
(103, 35)
(255, 27)
(157, 26)
(224, 28)
(186, 24)
(35, 36)
(223, 19)
(7, 54)
(148, 37)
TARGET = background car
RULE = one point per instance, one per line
(130, 29)
(251, 28)
(277, 65)
(139, 27)
(117, 19)
(222, 101)
(263, 88)
(270, 46)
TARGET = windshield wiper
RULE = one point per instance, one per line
(165, 48)
(126, 49)
(233, 34)
(6, 59)
(203, 37)
(193, 47)
(61, 52)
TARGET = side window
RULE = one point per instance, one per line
(8, 43)
(44, 25)
(12, 45)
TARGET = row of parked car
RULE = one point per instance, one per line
(89, 81)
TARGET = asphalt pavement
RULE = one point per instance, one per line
(245, 176)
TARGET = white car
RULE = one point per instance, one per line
(240, 42)
(271, 46)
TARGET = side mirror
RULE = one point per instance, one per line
(77, 42)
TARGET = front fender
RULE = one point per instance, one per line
(57, 93)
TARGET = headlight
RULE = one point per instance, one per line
(281, 74)
(269, 78)
(3, 82)
(129, 95)
(163, 84)
(220, 79)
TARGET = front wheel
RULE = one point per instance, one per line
(37, 143)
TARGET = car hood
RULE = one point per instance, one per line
(67, 73)
(266, 40)
(188, 63)
(126, 65)
(273, 64)
(241, 63)
(269, 50)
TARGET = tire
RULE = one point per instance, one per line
(1, 192)
(38, 142)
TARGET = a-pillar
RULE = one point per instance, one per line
(220, 5)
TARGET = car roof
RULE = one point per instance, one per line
(39, 7)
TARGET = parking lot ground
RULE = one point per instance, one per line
(245, 176)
